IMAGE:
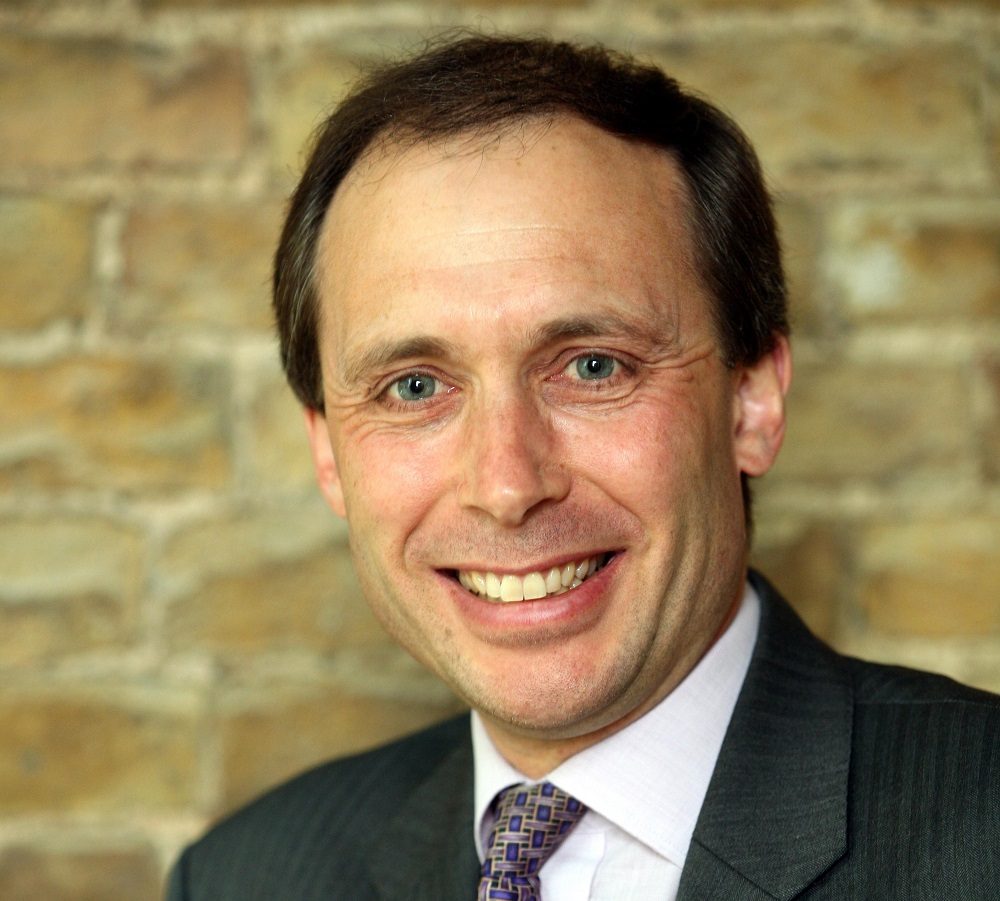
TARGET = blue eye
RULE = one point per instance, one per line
(595, 366)
(416, 386)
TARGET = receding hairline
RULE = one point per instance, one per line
(386, 151)
(393, 144)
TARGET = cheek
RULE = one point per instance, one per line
(391, 478)
(648, 445)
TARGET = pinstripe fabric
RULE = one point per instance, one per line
(838, 780)
(841, 779)
(336, 832)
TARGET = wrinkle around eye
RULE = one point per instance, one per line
(573, 367)
(412, 382)
(568, 387)
(383, 395)
(625, 367)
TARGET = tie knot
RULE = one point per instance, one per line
(531, 822)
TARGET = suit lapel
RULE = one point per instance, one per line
(426, 852)
(775, 816)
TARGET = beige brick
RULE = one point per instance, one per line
(69, 584)
(45, 254)
(916, 265)
(993, 107)
(945, 5)
(886, 423)
(154, 5)
(67, 753)
(932, 577)
(808, 565)
(278, 455)
(113, 423)
(744, 5)
(799, 226)
(302, 89)
(271, 580)
(34, 873)
(92, 103)
(479, 4)
(991, 433)
(199, 266)
(267, 745)
(860, 105)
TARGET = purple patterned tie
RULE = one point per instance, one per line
(531, 822)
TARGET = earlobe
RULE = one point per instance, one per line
(759, 427)
(324, 462)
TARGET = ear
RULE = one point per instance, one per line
(324, 462)
(759, 403)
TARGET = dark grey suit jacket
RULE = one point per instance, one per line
(837, 780)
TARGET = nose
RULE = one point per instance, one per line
(510, 461)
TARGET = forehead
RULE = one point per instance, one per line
(560, 207)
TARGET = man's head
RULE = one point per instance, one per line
(487, 86)
(523, 369)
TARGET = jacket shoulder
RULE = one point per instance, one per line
(884, 684)
(925, 735)
(312, 831)
(910, 764)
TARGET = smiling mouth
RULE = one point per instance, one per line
(506, 588)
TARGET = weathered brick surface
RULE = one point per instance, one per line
(113, 422)
(160, 532)
(72, 753)
(808, 564)
(85, 598)
(233, 5)
(869, 107)
(903, 264)
(992, 106)
(278, 452)
(887, 423)
(199, 266)
(519, 3)
(301, 89)
(30, 873)
(288, 562)
(945, 5)
(46, 249)
(799, 224)
(991, 433)
(934, 577)
(265, 744)
(741, 5)
(90, 103)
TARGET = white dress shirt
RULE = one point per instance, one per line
(644, 785)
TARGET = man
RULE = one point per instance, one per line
(530, 296)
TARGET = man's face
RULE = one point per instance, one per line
(521, 377)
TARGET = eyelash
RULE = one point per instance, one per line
(623, 368)
(383, 394)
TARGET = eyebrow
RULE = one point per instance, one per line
(383, 354)
(604, 324)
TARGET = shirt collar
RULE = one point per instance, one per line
(651, 777)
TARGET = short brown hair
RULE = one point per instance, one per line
(482, 84)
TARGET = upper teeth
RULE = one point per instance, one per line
(506, 588)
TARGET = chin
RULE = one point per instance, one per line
(550, 712)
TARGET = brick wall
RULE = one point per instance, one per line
(179, 625)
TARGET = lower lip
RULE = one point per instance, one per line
(560, 614)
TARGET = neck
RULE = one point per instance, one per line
(537, 757)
